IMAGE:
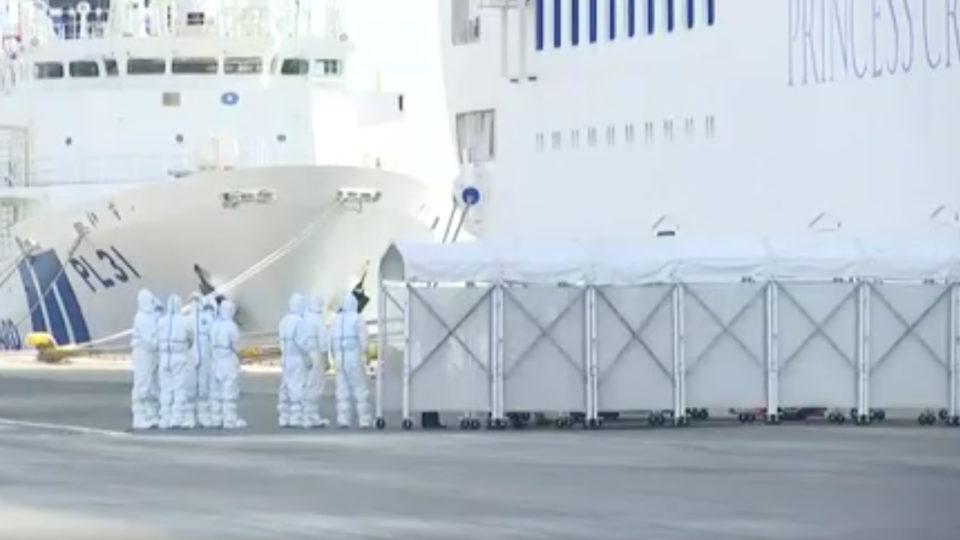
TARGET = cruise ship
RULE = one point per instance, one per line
(628, 118)
(185, 146)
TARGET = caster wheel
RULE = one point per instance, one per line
(881, 415)
(751, 418)
(407, 424)
(499, 424)
(954, 421)
(841, 419)
(464, 423)
(923, 419)
(865, 420)
(742, 418)
(381, 423)
(524, 417)
(704, 414)
(652, 419)
(831, 418)
(661, 419)
(853, 413)
(475, 424)
(775, 420)
(560, 423)
(593, 423)
(943, 414)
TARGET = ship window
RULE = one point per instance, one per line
(465, 25)
(555, 140)
(575, 138)
(628, 133)
(631, 18)
(539, 142)
(710, 126)
(668, 129)
(476, 136)
(611, 135)
(651, 17)
(171, 99)
(195, 18)
(670, 14)
(110, 67)
(575, 22)
(690, 13)
(146, 66)
(711, 12)
(593, 21)
(179, 138)
(328, 66)
(294, 66)
(68, 141)
(194, 66)
(688, 127)
(613, 19)
(539, 30)
(281, 138)
(243, 66)
(648, 133)
(48, 70)
(84, 68)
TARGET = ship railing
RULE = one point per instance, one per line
(134, 168)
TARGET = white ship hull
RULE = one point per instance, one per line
(158, 233)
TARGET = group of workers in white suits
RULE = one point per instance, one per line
(186, 367)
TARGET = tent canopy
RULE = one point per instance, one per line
(815, 258)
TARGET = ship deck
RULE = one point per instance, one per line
(70, 465)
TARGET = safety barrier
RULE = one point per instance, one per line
(501, 348)
(505, 347)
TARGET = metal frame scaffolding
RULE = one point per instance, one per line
(502, 347)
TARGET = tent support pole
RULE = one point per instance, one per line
(863, 347)
(772, 340)
(591, 354)
(952, 348)
(679, 356)
(406, 354)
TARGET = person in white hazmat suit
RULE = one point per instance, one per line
(204, 314)
(348, 344)
(294, 357)
(317, 347)
(225, 369)
(176, 368)
(143, 402)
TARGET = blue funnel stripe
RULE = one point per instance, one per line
(46, 266)
(33, 298)
(78, 323)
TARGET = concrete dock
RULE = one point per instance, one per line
(70, 469)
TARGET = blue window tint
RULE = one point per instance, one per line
(539, 10)
(575, 22)
(651, 18)
(613, 20)
(593, 21)
(631, 18)
(669, 15)
(556, 24)
(710, 12)
(690, 8)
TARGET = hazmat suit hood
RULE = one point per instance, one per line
(174, 304)
(227, 310)
(349, 303)
(146, 303)
(316, 303)
(297, 304)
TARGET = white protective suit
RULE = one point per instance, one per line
(176, 368)
(143, 399)
(204, 314)
(225, 369)
(348, 344)
(294, 358)
(317, 346)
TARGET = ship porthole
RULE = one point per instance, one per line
(179, 138)
(281, 138)
(68, 141)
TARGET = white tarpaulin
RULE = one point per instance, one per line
(814, 258)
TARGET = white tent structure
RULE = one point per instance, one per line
(672, 324)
